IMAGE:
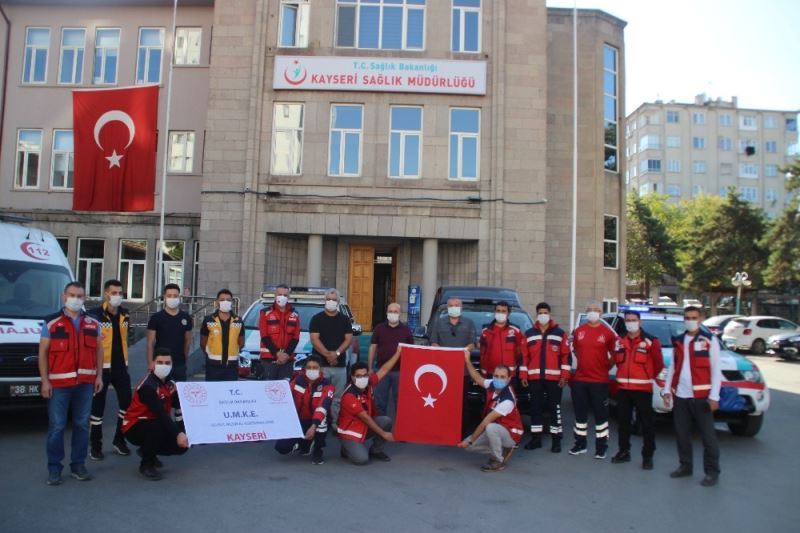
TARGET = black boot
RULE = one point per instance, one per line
(148, 471)
(535, 442)
(555, 446)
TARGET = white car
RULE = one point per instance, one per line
(751, 332)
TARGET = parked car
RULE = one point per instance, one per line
(716, 324)
(693, 302)
(751, 333)
(307, 302)
(666, 300)
(785, 345)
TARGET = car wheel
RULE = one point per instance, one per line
(758, 347)
(748, 427)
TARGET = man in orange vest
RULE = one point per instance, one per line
(639, 361)
(693, 383)
(70, 364)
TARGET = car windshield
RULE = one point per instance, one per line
(663, 329)
(306, 310)
(30, 290)
(742, 321)
(718, 320)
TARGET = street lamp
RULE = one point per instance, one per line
(739, 280)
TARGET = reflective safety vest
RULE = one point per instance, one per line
(639, 361)
(699, 363)
(214, 343)
(546, 354)
(512, 421)
(500, 345)
(105, 319)
(313, 399)
(137, 410)
(72, 356)
(354, 401)
(279, 328)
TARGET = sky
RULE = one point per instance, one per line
(676, 49)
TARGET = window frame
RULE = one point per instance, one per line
(70, 157)
(403, 134)
(460, 144)
(342, 143)
(610, 241)
(276, 129)
(89, 261)
(126, 283)
(462, 21)
(186, 133)
(175, 54)
(699, 166)
(610, 305)
(32, 81)
(195, 266)
(698, 142)
(148, 52)
(104, 57)
(19, 182)
(674, 166)
(75, 70)
(615, 96)
(165, 279)
(306, 19)
(771, 144)
(380, 4)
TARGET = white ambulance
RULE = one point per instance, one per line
(33, 273)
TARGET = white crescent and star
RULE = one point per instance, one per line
(115, 115)
(430, 369)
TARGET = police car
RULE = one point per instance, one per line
(307, 302)
(744, 397)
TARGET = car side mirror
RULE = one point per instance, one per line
(419, 332)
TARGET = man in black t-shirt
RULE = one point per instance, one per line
(331, 333)
(170, 328)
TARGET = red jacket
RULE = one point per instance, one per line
(280, 330)
(72, 356)
(592, 346)
(500, 345)
(154, 399)
(512, 421)
(699, 364)
(312, 399)
(354, 401)
(639, 361)
(546, 354)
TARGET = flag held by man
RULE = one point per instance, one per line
(430, 396)
(115, 148)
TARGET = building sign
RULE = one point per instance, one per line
(379, 74)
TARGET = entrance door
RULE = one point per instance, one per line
(384, 291)
(360, 283)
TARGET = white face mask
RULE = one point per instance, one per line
(331, 305)
(115, 301)
(74, 304)
(691, 325)
(312, 374)
(225, 306)
(632, 327)
(454, 312)
(394, 318)
(173, 303)
(162, 371)
(361, 382)
(543, 319)
(281, 300)
(501, 317)
(593, 316)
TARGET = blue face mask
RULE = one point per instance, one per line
(499, 384)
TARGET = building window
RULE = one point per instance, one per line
(644, 189)
(380, 24)
(294, 23)
(673, 165)
(749, 194)
(29, 153)
(674, 190)
(63, 163)
(34, 65)
(181, 151)
(73, 46)
(148, 62)
(610, 305)
(791, 124)
(771, 171)
(748, 170)
(699, 167)
(196, 268)
(132, 264)
(464, 143)
(747, 146)
(650, 165)
(770, 195)
(697, 190)
(725, 120)
(770, 123)
(610, 241)
(90, 266)
(673, 141)
(287, 139)
(63, 242)
(610, 72)
(699, 143)
(106, 56)
(655, 118)
(187, 46)
(344, 156)
(171, 264)
(771, 147)
(748, 122)
(673, 117)
(405, 141)
(466, 26)
(650, 142)
(698, 118)
(725, 144)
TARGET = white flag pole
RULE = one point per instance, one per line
(159, 250)
(573, 259)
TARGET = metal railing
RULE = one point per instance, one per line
(196, 306)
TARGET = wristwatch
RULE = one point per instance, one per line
(338, 353)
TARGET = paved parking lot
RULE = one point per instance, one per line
(424, 488)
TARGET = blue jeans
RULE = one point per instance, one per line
(78, 399)
(390, 381)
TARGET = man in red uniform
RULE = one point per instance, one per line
(545, 371)
(592, 343)
(313, 396)
(357, 421)
(639, 361)
(501, 342)
(148, 421)
(501, 427)
(280, 332)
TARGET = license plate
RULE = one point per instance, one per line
(31, 389)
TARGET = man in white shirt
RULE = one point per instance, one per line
(694, 379)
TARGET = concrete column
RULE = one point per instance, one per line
(314, 261)
(430, 266)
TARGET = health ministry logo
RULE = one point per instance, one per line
(295, 74)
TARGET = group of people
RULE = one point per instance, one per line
(82, 353)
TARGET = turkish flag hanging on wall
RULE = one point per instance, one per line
(115, 148)
(430, 395)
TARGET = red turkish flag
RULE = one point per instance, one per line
(115, 148)
(430, 395)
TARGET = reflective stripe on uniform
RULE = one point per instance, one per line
(552, 372)
(566, 367)
(701, 387)
(348, 432)
(554, 338)
(299, 389)
(534, 338)
(65, 375)
(88, 371)
(517, 431)
(632, 381)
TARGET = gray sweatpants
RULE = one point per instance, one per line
(358, 452)
(493, 440)
(339, 379)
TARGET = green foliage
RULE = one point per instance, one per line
(792, 176)
(783, 239)
(651, 250)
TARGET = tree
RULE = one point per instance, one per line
(650, 249)
(783, 239)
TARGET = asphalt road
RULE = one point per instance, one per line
(248, 486)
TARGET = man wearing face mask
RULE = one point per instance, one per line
(453, 330)
(386, 338)
(113, 320)
(313, 396)
(331, 333)
(501, 428)
(358, 422)
(221, 338)
(171, 328)
(280, 332)
(70, 363)
(593, 344)
(148, 422)
(639, 361)
(501, 342)
(545, 371)
(692, 390)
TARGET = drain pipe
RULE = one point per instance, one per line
(5, 76)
